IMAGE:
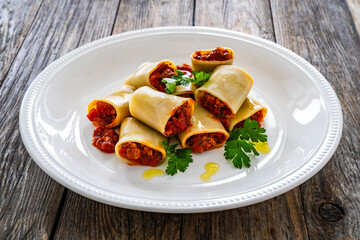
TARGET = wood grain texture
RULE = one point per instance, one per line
(252, 17)
(85, 219)
(16, 18)
(279, 218)
(354, 7)
(140, 14)
(30, 200)
(324, 34)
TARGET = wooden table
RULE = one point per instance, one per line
(35, 33)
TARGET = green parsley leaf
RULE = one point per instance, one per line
(238, 144)
(178, 159)
(200, 77)
(181, 78)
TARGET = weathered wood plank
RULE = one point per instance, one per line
(16, 18)
(84, 218)
(354, 7)
(29, 199)
(252, 17)
(323, 32)
(278, 218)
(140, 14)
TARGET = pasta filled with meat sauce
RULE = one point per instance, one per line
(225, 91)
(250, 109)
(111, 110)
(151, 73)
(168, 114)
(139, 144)
(208, 60)
(205, 133)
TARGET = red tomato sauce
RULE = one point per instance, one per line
(163, 71)
(105, 139)
(205, 141)
(185, 68)
(140, 154)
(218, 54)
(258, 116)
(180, 120)
(102, 115)
(215, 106)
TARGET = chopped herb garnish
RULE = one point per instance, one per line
(178, 159)
(238, 144)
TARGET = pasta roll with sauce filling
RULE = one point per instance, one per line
(225, 91)
(208, 60)
(185, 91)
(139, 144)
(168, 114)
(250, 109)
(111, 110)
(205, 133)
(151, 73)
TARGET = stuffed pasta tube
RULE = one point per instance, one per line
(168, 114)
(205, 133)
(139, 144)
(189, 90)
(208, 60)
(225, 91)
(185, 91)
(111, 110)
(250, 109)
(151, 73)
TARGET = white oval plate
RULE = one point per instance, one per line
(304, 122)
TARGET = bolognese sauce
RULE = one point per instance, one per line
(185, 68)
(102, 115)
(258, 116)
(218, 54)
(180, 120)
(162, 71)
(140, 154)
(105, 139)
(205, 141)
(214, 105)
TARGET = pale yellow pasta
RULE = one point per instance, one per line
(248, 109)
(119, 100)
(134, 131)
(230, 84)
(155, 108)
(209, 66)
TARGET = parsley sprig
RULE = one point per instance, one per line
(200, 78)
(178, 159)
(181, 78)
(238, 144)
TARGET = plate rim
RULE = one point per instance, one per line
(49, 165)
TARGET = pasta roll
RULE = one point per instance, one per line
(208, 60)
(185, 91)
(225, 91)
(139, 144)
(168, 114)
(111, 110)
(151, 73)
(250, 109)
(205, 133)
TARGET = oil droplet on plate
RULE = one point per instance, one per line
(151, 173)
(262, 147)
(211, 168)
